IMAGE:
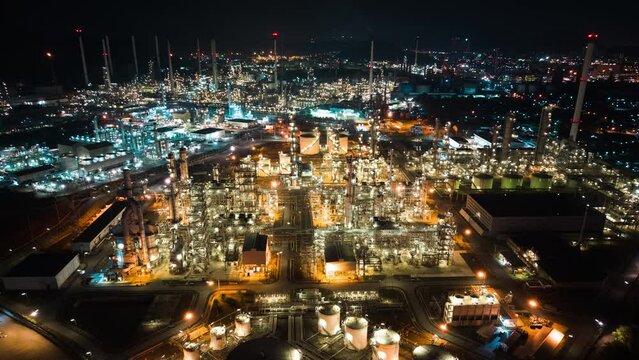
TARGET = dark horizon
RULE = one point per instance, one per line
(49, 26)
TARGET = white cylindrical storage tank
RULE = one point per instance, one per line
(511, 181)
(218, 338)
(309, 144)
(355, 333)
(343, 144)
(482, 181)
(540, 181)
(242, 325)
(385, 344)
(328, 318)
(191, 351)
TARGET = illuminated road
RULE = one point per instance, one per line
(19, 342)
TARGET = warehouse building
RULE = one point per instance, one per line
(255, 253)
(503, 213)
(93, 235)
(340, 260)
(41, 271)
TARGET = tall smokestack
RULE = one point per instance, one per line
(275, 81)
(214, 63)
(157, 56)
(508, 135)
(135, 59)
(184, 164)
(107, 75)
(171, 83)
(370, 72)
(84, 61)
(583, 81)
(542, 134)
(416, 49)
(199, 61)
(108, 47)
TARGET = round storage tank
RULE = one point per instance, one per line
(482, 181)
(573, 181)
(218, 338)
(242, 325)
(431, 352)
(309, 144)
(355, 333)
(265, 348)
(385, 344)
(511, 181)
(343, 144)
(328, 319)
(191, 351)
(540, 181)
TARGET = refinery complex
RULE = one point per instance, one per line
(276, 205)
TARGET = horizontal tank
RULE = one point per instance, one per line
(218, 338)
(309, 144)
(511, 181)
(540, 181)
(328, 319)
(242, 325)
(385, 344)
(355, 333)
(482, 181)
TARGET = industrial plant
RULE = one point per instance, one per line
(289, 204)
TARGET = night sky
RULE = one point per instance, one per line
(30, 28)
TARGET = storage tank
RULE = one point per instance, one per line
(191, 351)
(242, 325)
(432, 352)
(218, 338)
(328, 319)
(453, 182)
(482, 181)
(385, 344)
(309, 143)
(355, 333)
(511, 181)
(573, 181)
(540, 181)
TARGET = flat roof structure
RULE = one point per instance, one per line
(41, 265)
(338, 251)
(255, 241)
(530, 204)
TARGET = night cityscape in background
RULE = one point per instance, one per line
(319, 180)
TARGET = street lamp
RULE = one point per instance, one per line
(533, 303)
(188, 315)
(49, 56)
(481, 275)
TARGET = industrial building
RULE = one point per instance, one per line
(340, 260)
(99, 229)
(41, 271)
(494, 213)
(471, 309)
(208, 134)
(255, 253)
